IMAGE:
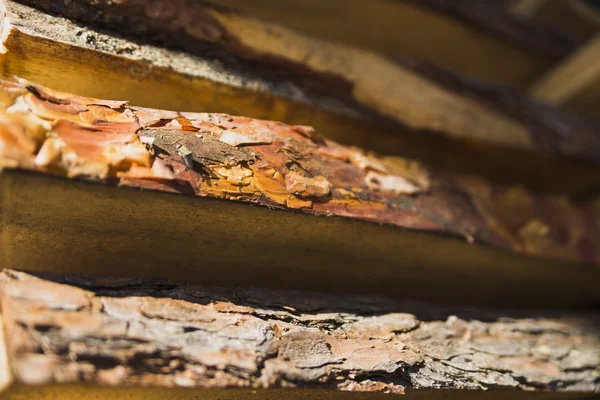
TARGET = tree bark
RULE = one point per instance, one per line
(354, 96)
(357, 76)
(408, 223)
(141, 332)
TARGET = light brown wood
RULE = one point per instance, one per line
(403, 27)
(375, 83)
(575, 83)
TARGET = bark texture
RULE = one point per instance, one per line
(140, 332)
(102, 65)
(273, 164)
(361, 79)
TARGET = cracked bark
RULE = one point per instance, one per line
(455, 130)
(353, 75)
(142, 332)
(395, 209)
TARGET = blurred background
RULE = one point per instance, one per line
(548, 48)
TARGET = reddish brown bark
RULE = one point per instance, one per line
(442, 111)
(196, 27)
(276, 165)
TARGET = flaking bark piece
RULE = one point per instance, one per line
(205, 149)
(358, 77)
(118, 332)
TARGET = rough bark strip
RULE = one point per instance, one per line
(159, 78)
(140, 332)
(273, 164)
(360, 77)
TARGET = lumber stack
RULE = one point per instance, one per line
(201, 196)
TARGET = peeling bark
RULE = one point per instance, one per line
(477, 229)
(446, 128)
(277, 165)
(353, 75)
(140, 332)
(160, 78)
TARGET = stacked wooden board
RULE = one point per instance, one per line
(480, 206)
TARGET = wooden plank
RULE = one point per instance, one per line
(354, 75)
(67, 333)
(475, 38)
(574, 83)
(458, 128)
(438, 236)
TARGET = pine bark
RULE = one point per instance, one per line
(354, 96)
(354, 76)
(142, 332)
(411, 225)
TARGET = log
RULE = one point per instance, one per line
(420, 116)
(91, 336)
(325, 213)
